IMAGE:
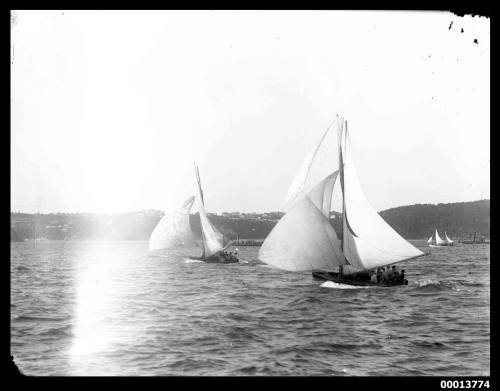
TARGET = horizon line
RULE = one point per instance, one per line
(218, 213)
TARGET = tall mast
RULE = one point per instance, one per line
(199, 213)
(341, 173)
(199, 183)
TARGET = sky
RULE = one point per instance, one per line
(111, 109)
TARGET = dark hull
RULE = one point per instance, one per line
(349, 280)
(216, 259)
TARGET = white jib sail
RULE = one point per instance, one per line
(448, 240)
(173, 229)
(321, 194)
(213, 240)
(304, 239)
(369, 242)
(297, 185)
(439, 241)
(430, 239)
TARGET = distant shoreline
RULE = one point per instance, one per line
(146, 240)
(461, 221)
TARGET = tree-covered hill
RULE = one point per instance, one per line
(459, 220)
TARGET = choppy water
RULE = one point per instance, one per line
(107, 308)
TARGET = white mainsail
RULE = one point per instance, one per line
(368, 241)
(173, 229)
(448, 240)
(439, 241)
(213, 240)
(304, 239)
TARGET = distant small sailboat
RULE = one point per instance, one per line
(436, 241)
(305, 240)
(214, 243)
(448, 240)
(174, 229)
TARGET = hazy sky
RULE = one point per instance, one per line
(111, 109)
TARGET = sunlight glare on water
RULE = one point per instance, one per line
(99, 292)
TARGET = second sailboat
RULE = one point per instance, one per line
(214, 243)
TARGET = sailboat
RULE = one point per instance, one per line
(214, 243)
(436, 241)
(174, 229)
(305, 240)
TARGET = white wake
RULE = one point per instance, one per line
(189, 260)
(336, 285)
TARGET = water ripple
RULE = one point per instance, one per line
(108, 308)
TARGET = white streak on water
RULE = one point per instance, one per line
(426, 281)
(189, 260)
(336, 285)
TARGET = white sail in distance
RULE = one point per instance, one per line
(304, 239)
(173, 229)
(213, 240)
(448, 240)
(439, 241)
(430, 239)
(368, 241)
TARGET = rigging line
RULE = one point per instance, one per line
(317, 149)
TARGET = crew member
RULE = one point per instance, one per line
(395, 274)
